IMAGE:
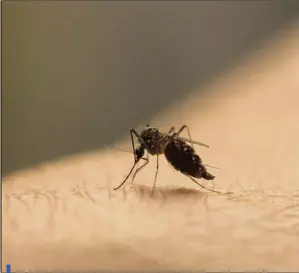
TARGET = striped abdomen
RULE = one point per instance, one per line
(184, 159)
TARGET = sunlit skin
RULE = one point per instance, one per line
(64, 215)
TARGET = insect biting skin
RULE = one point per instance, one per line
(176, 149)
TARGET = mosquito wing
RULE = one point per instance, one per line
(193, 141)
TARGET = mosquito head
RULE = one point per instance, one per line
(139, 152)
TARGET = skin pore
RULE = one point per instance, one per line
(65, 214)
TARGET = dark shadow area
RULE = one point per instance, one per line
(163, 193)
(76, 75)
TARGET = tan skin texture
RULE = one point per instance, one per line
(65, 215)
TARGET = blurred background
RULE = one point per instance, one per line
(77, 75)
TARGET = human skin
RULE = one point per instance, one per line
(65, 214)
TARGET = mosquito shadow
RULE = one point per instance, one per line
(166, 192)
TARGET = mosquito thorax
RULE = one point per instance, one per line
(153, 140)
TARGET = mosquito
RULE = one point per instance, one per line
(176, 150)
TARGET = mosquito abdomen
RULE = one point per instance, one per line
(206, 175)
(184, 159)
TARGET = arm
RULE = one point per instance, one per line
(65, 215)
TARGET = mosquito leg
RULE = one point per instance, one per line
(132, 131)
(133, 146)
(126, 177)
(184, 127)
(218, 192)
(141, 167)
(146, 147)
(157, 168)
(211, 166)
(171, 130)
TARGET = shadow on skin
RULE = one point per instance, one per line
(166, 192)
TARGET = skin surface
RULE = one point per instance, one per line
(65, 215)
